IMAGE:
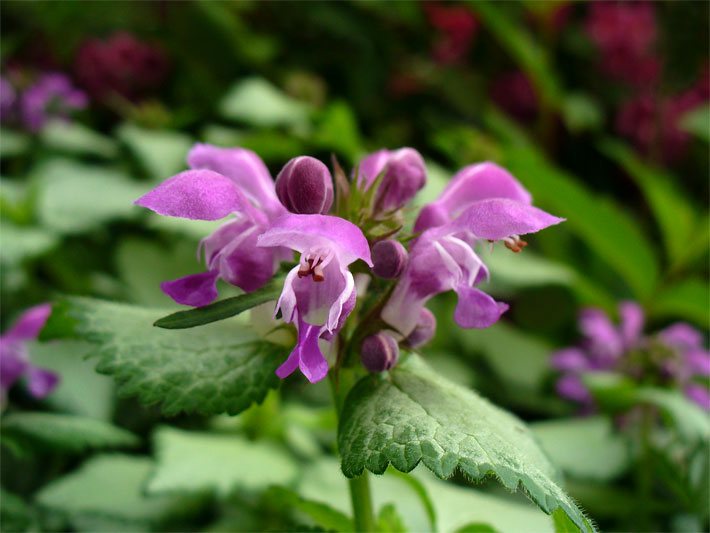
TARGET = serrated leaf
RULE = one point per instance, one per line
(222, 367)
(194, 462)
(75, 138)
(416, 416)
(161, 153)
(585, 448)
(73, 197)
(69, 433)
(110, 487)
(257, 102)
(220, 310)
(322, 514)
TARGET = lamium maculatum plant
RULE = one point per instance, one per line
(348, 278)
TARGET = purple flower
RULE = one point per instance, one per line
(51, 96)
(443, 259)
(14, 358)
(319, 293)
(222, 182)
(674, 356)
(404, 175)
(471, 184)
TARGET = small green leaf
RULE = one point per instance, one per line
(687, 299)
(161, 153)
(75, 138)
(73, 197)
(674, 214)
(220, 310)
(195, 462)
(322, 514)
(414, 415)
(697, 122)
(585, 448)
(388, 521)
(110, 487)
(217, 368)
(257, 102)
(68, 433)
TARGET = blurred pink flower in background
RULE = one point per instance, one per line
(457, 27)
(514, 93)
(625, 35)
(120, 65)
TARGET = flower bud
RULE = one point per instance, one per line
(379, 352)
(390, 259)
(424, 330)
(405, 175)
(305, 186)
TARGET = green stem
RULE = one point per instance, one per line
(362, 503)
(341, 381)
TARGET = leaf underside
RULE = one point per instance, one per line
(218, 368)
(416, 416)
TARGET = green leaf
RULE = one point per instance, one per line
(687, 299)
(562, 522)
(161, 153)
(420, 490)
(581, 113)
(110, 487)
(217, 368)
(337, 130)
(697, 122)
(220, 310)
(75, 138)
(585, 448)
(322, 514)
(81, 391)
(606, 228)
(690, 420)
(73, 197)
(20, 243)
(388, 521)
(194, 462)
(66, 433)
(415, 416)
(259, 103)
(517, 271)
(674, 214)
(478, 527)
(13, 143)
(522, 47)
(15, 513)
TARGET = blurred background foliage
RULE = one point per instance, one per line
(603, 116)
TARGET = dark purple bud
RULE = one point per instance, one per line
(404, 175)
(305, 187)
(379, 352)
(424, 330)
(390, 259)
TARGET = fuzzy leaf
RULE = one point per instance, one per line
(220, 310)
(218, 368)
(53, 431)
(416, 416)
(193, 462)
(110, 488)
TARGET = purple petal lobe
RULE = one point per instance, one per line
(13, 362)
(632, 322)
(682, 335)
(243, 167)
(698, 362)
(604, 340)
(41, 382)
(30, 323)
(306, 355)
(195, 290)
(498, 218)
(570, 360)
(476, 309)
(290, 365)
(305, 232)
(571, 387)
(194, 194)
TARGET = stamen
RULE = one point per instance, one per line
(313, 264)
(514, 243)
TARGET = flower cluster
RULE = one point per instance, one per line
(14, 358)
(673, 357)
(457, 27)
(51, 96)
(120, 65)
(625, 34)
(271, 220)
